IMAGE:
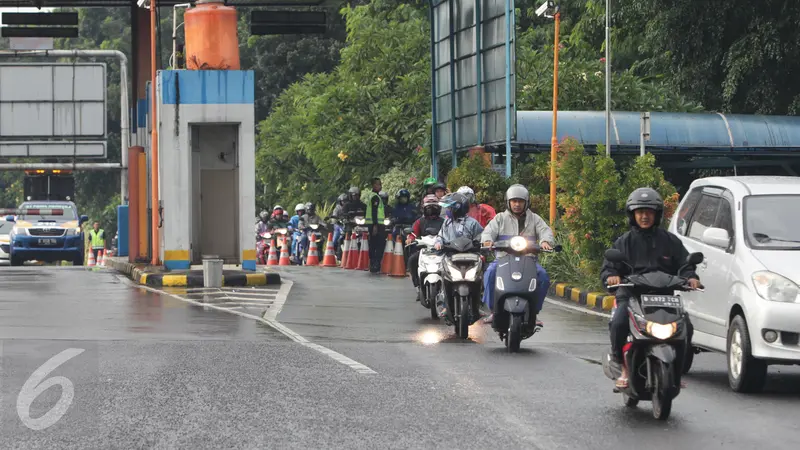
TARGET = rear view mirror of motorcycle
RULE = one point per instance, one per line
(615, 256)
(557, 248)
(695, 258)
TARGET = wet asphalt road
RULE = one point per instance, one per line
(153, 371)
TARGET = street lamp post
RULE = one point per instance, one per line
(608, 78)
(548, 9)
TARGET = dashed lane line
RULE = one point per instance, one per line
(269, 320)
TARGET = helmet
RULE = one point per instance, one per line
(431, 206)
(467, 191)
(354, 193)
(644, 198)
(341, 199)
(517, 192)
(403, 193)
(264, 215)
(311, 208)
(384, 196)
(300, 207)
(277, 207)
(438, 186)
(278, 212)
(457, 205)
(429, 182)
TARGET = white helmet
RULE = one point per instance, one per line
(300, 207)
(467, 192)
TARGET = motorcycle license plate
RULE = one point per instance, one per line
(669, 301)
(47, 242)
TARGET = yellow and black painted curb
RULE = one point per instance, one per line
(592, 300)
(193, 278)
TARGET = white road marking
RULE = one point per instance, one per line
(283, 292)
(564, 305)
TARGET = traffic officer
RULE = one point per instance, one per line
(97, 239)
(374, 219)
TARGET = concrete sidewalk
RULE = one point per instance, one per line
(158, 276)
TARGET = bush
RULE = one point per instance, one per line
(476, 172)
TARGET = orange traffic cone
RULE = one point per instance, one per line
(345, 250)
(272, 259)
(284, 261)
(352, 256)
(398, 263)
(102, 262)
(388, 255)
(313, 254)
(363, 254)
(91, 262)
(329, 260)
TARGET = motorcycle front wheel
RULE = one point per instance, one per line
(514, 336)
(662, 400)
(433, 292)
(462, 321)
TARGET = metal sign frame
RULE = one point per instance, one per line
(473, 74)
(11, 145)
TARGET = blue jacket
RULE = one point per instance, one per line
(404, 213)
(294, 221)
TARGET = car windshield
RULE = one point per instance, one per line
(771, 222)
(5, 227)
(47, 212)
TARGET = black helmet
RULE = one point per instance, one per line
(354, 193)
(310, 208)
(341, 199)
(457, 205)
(644, 198)
(403, 193)
(518, 192)
(438, 186)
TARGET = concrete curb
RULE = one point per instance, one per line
(154, 278)
(591, 300)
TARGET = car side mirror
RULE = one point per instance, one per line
(695, 258)
(716, 237)
(615, 256)
(10, 219)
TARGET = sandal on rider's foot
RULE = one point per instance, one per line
(489, 318)
(621, 383)
(684, 384)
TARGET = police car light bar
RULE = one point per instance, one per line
(42, 212)
(8, 212)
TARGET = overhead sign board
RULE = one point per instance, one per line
(31, 43)
(53, 107)
(470, 78)
(287, 22)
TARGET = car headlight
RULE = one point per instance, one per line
(660, 330)
(21, 231)
(776, 288)
(519, 243)
(73, 231)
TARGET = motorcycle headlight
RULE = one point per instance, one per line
(360, 221)
(268, 235)
(281, 231)
(660, 330)
(387, 222)
(314, 226)
(471, 274)
(431, 268)
(773, 287)
(518, 243)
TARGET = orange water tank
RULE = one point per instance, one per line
(212, 42)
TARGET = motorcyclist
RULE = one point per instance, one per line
(517, 220)
(263, 223)
(299, 210)
(354, 204)
(481, 212)
(440, 190)
(427, 189)
(403, 213)
(278, 219)
(456, 225)
(309, 218)
(431, 219)
(338, 214)
(648, 248)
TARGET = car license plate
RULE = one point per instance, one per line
(47, 242)
(668, 301)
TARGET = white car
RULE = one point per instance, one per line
(747, 229)
(5, 229)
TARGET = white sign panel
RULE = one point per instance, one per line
(53, 101)
(39, 149)
(31, 43)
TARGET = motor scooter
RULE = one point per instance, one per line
(462, 281)
(514, 292)
(658, 339)
(429, 267)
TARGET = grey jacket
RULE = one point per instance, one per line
(466, 226)
(505, 226)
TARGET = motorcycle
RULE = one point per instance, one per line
(313, 233)
(263, 242)
(338, 230)
(514, 290)
(462, 276)
(658, 338)
(430, 264)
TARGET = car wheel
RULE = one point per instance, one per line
(15, 261)
(745, 373)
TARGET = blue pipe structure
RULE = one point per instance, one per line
(434, 115)
(508, 88)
